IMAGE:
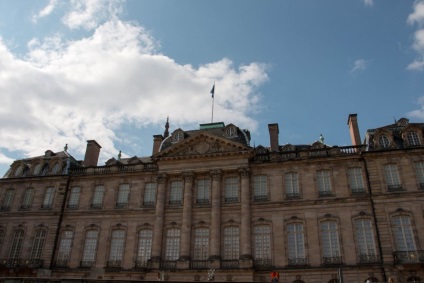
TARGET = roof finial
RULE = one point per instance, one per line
(66, 147)
(321, 138)
(119, 155)
(166, 133)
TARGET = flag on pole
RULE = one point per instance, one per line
(213, 90)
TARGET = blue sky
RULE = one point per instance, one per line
(113, 70)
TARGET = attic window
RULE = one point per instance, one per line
(413, 138)
(230, 131)
(56, 167)
(18, 171)
(384, 141)
(37, 169)
(178, 136)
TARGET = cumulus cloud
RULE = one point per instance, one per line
(45, 11)
(419, 113)
(417, 17)
(359, 65)
(68, 91)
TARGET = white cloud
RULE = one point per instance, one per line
(419, 113)
(359, 65)
(418, 15)
(45, 11)
(368, 2)
(88, 14)
(66, 92)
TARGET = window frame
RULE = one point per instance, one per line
(123, 195)
(48, 198)
(74, 196)
(260, 187)
(98, 196)
(324, 183)
(355, 180)
(296, 251)
(291, 185)
(149, 197)
(231, 189)
(203, 191)
(176, 192)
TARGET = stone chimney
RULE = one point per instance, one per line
(157, 141)
(92, 153)
(273, 137)
(354, 130)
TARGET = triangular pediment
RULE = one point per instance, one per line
(203, 144)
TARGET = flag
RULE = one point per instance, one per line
(213, 90)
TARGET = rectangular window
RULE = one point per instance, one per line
(391, 175)
(324, 183)
(74, 197)
(149, 195)
(172, 248)
(144, 252)
(330, 242)
(262, 238)
(203, 191)
(90, 248)
(28, 197)
(38, 244)
(291, 181)
(64, 252)
(48, 198)
(231, 189)
(176, 196)
(355, 179)
(231, 243)
(98, 195)
(419, 171)
(116, 251)
(296, 244)
(260, 188)
(8, 199)
(123, 196)
(365, 241)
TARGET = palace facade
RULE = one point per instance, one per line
(208, 206)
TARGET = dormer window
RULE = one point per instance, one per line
(18, 171)
(230, 131)
(37, 169)
(56, 168)
(178, 136)
(384, 141)
(413, 139)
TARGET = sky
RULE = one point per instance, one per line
(114, 70)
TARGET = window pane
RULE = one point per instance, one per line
(117, 244)
(98, 196)
(64, 252)
(292, 184)
(201, 244)
(330, 239)
(402, 230)
(172, 249)
(419, 170)
(8, 199)
(323, 179)
(231, 189)
(150, 194)
(90, 246)
(48, 198)
(413, 138)
(262, 238)
(203, 190)
(260, 188)
(365, 237)
(296, 243)
(145, 238)
(176, 192)
(16, 248)
(231, 243)
(74, 197)
(356, 182)
(391, 175)
(28, 196)
(123, 195)
(38, 244)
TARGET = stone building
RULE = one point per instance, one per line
(208, 206)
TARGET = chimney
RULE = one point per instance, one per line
(354, 130)
(92, 153)
(157, 141)
(273, 136)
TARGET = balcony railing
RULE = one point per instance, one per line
(72, 206)
(358, 191)
(409, 257)
(168, 264)
(176, 202)
(46, 206)
(199, 264)
(230, 264)
(107, 169)
(113, 264)
(260, 198)
(62, 263)
(395, 188)
(332, 260)
(25, 206)
(87, 263)
(365, 258)
(97, 205)
(15, 262)
(141, 264)
(263, 263)
(325, 193)
(299, 261)
(202, 201)
(231, 199)
(121, 205)
(149, 204)
(5, 208)
(292, 195)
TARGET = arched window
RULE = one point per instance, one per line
(8, 199)
(56, 168)
(90, 248)
(403, 233)
(172, 248)
(37, 169)
(38, 244)
(117, 245)
(201, 244)
(296, 244)
(144, 251)
(18, 239)
(365, 241)
(330, 242)
(384, 141)
(45, 170)
(231, 243)
(18, 171)
(262, 248)
(64, 253)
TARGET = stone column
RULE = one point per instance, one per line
(159, 218)
(245, 231)
(186, 222)
(215, 231)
